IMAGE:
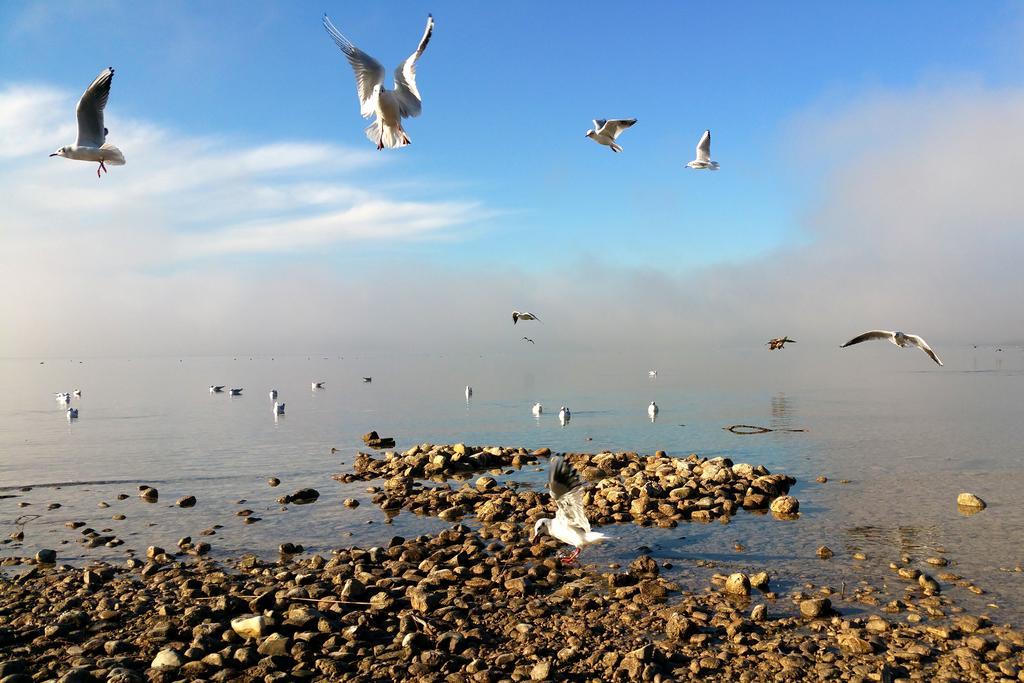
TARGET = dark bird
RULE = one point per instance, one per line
(528, 339)
(779, 343)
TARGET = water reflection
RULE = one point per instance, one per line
(783, 412)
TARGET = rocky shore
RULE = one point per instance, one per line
(480, 602)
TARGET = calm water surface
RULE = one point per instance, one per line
(907, 435)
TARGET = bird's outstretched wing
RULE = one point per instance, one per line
(599, 124)
(704, 147)
(869, 336)
(614, 127)
(368, 70)
(91, 132)
(409, 101)
(567, 489)
(921, 344)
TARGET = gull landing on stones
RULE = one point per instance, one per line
(91, 144)
(570, 524)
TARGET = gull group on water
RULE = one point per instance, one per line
(389, 106)
(898, 338)
(607, 131)
(91, 144)
(570, 524)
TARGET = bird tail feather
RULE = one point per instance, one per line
(392, 137)
(594, 536)
(112, 155)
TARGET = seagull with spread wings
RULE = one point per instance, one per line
(91, 144)
(607, 131)
(570, 524)
(779, 343)
(898, 338)
(703, 160)
(390, 106)
(517, 316)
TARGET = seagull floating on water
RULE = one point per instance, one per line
(898, 338)
(652, 373)
(317, 385)
(564, 415)
(236, 392)
(538, 408)
(607, 131)
(278, 408)
(91, 144)
(216, 389)
(779, 343)
(517, 316)
(469, 391)
(652, 409)
(367, 380)
(78, 393)
(390, 106)
(703, 160)
(570, 524)
(72, 413)
(273, 393)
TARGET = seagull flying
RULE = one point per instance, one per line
(607, 131)
(779, 343)
(570, 524)
(703, 160)
(652, 373)
(216, 389)
(517, 316)
(897, 338)
(91, 144)
(367, 379)
(317, 385)
(538, 408)
(278, 408)
(390, 106)
(527, 338)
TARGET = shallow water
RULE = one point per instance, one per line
(907, 435)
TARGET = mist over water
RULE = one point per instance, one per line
(907, 435)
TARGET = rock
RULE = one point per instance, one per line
(300, 497)
(737, 584)
(759, 580)
(186, 501)
(816, 607)
(822, 479)
(46, 556)
(288, 548)
(275, 644)
(421, 600)
(273, 482)
(759, 612)
(251, 626)
(350, 503)
(148, 494)
(785, 505)
(937, 561)
(928, 584)
(541, 671)
(154, 551)
(167, 660)
(853, 644)
(644, 567)
(969, 500)
(824, 552)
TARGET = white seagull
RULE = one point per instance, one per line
(607, 131)
(517, 316)
(652, 409)
(216, 389)
(78, 393)
(703, 160)
(91, 144)
(564, 415)
(652, 373)
(538, 408)
(317, 385)
(570, 524)
(235, 392)
(469, 392)
(273, 393)
(898, 338)
(367, 380)
(390, 106)
(72, 413)
(278, 408)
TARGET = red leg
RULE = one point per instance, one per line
(571, 558)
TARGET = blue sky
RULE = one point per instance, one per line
(509, 90)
